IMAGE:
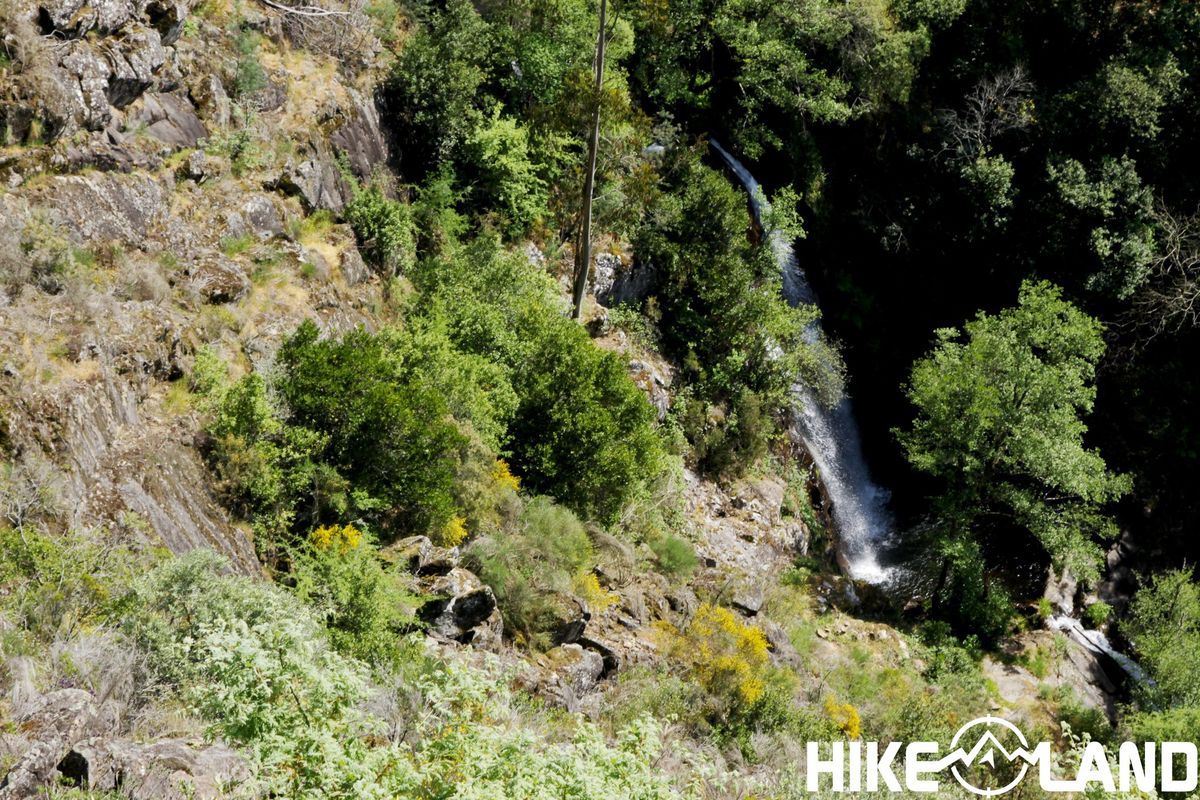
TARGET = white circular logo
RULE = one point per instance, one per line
(987, 748)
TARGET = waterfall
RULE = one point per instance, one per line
(830, 434)
(1098, 643)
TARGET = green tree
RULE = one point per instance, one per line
(999, 423)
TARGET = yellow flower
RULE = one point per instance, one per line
(453, 534)
(503, 476)
(845, 716)
(344, 538)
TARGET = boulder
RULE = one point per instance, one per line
(316, 180)
(422, 557)
(570, 672)
(135, 60)
(171, 119)
(171, 769)
(465, 610)
(218, 280)
(262, 216)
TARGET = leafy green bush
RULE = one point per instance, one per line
(507, 183)
(338, 573)
(676, 557)
(250, 76)
(1164, 626)
(385, 429)
(1097, 614)
(582, 431)
(532, 567)
(384, 229)
(723, 319)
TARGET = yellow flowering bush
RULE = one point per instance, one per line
(724, 655)
(502, 475)
(453, 534)
(342, 538)
(845, 716)
(588, 587)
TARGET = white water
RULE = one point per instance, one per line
(1098, 643)
(830, 434)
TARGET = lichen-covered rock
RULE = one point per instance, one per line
(170, 769)
(464, 610)
(315, 178)
(138, 55)
(361, 137)
(218, 280)
(169, 118)
(104, 208)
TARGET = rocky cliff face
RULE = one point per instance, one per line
(138, 221)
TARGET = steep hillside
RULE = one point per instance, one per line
(312, 487)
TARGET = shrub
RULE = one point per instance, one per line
(1097, 614)
(250, 76)
(253, 662)
(581, 431)
(845, 716)
(739, 345)
(723, 654)
(384, 430)
(498, 153)
(338, 573)
(532, 567)
(675, 557)
(384, 229)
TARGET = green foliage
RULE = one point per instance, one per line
(338, 573)
(532, 567)
(990, 180)
(384, 229)
(209, 372)
(507, 184)
(1097, 614)
(675, 557)
(54, 585)
(1116, 209)
(384, 428)
(1164, 626)
(436, 81)
(582, 432)
(723, 319)
(999, 407)
(250, 76)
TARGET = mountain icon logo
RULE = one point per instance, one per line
(988, 750)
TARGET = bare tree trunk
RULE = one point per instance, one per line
(583, 253)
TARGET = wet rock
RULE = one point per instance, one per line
(1060, 591)
(465, 611)
(171, 119)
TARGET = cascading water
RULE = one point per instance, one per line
(830, 434)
